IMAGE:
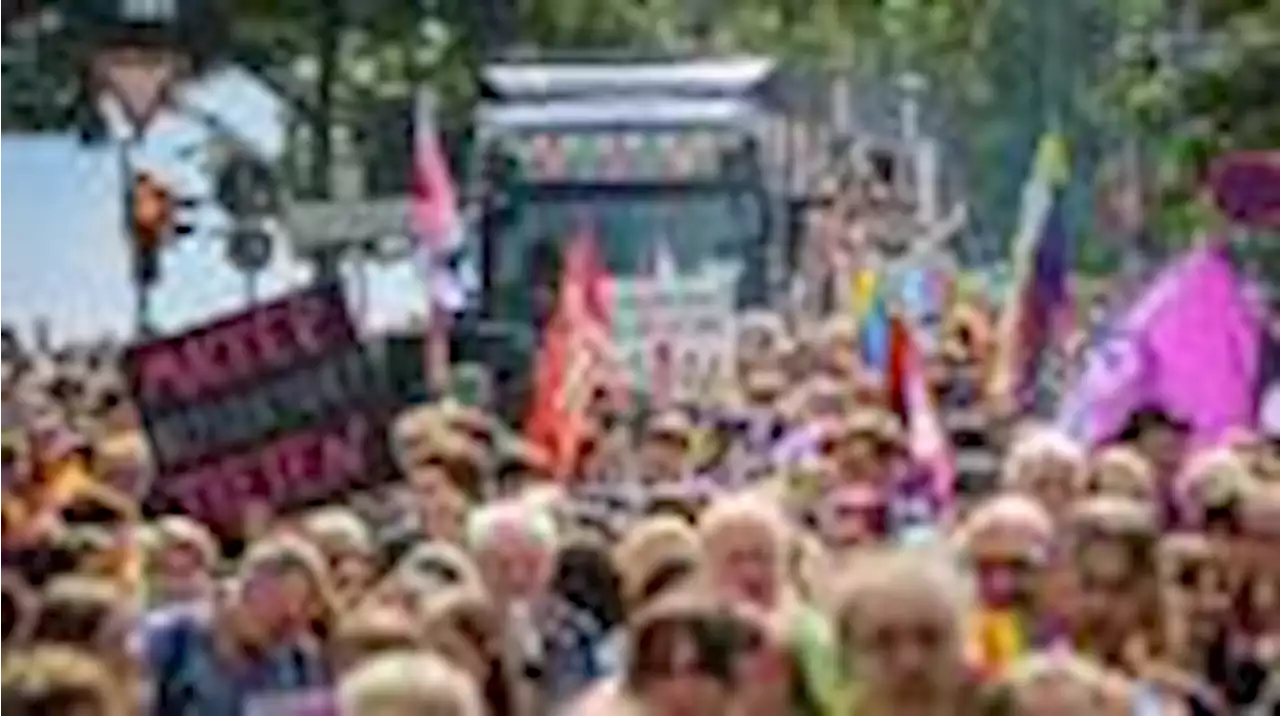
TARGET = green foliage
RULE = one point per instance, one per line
(1198, 95)
(998, 71)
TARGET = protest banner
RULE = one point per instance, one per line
(278, 405)
(676, 333)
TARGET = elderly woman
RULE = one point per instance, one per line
(1007, 540)
(1049, 467)
(900, 617)
(749, 554)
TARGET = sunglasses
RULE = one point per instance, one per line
(1018, 564)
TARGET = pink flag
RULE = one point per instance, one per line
(435, 201)
(1189, 346)
(435, 219)
(927, 440)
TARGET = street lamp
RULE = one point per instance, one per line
(247, 188)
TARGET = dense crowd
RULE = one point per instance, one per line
(772, 549)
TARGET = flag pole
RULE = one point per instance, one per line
(436, 351)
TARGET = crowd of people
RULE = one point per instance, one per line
(774, 550)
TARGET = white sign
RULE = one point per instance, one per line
(677, 333)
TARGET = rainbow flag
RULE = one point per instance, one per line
(1038, 310)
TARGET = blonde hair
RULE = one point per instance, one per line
(738, 511)
(1041, 666)
(1038, 446)
(650, 545)
(176, 531)
(338, 528)
(1219, 474)
(534, 523)
(889, 573)
(291, 552)
(1003, 510)
(750, 512)
(840, 327)
(58, 679)
(413, 682)
(1126, 462)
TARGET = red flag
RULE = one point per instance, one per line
(575, 358)
(897, 373)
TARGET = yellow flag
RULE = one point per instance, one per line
(863, 292)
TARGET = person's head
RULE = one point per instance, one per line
(347, 545)
(1114, 555)
(371, 631)
(838, 347)
(1195, 589)
(1056, 684)
(408, 684)
(283, 589)
(463, 624)
(1007, 539)
(760, 339)
(665, 449)
(1259, 549)
(181, 559)
(682, 657)
(1159, 436)
(1121, 471)
(514, 545)
(746, 542)
(1047, 466)
(654, 557)
(586, 577)
(57, 679)
(898, 617)
(121, 458)
(852, 515)
(862, 446)
(824, 399)
(89, 614)
(1212, 486)
(766, 672)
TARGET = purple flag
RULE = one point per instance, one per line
(1189, 345)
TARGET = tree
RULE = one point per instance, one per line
(1194, 86)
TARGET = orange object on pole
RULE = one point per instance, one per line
(152, 210)
(575, 358)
